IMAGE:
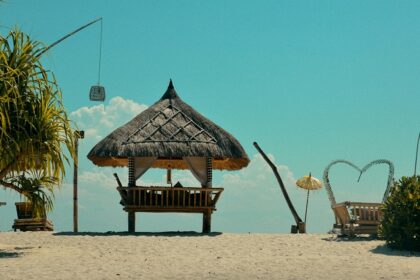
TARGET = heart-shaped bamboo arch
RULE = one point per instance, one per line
(366, 167)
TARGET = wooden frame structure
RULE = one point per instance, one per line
(352, 218)
(160, 199)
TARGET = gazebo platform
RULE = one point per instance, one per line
(169, 199)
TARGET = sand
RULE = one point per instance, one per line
(46, 255)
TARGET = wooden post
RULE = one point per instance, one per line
(207, 213)
(77, 135)
(131, 183)
(207, 221)
(131, 222)
(75, 164)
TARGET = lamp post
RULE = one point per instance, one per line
(78, 134)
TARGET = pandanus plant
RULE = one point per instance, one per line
(38, 190)
(34, 124)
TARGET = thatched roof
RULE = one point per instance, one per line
(170, 130)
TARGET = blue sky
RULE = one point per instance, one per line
(310, 81)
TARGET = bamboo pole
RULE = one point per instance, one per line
(306, 208)
(207, 213)
(78, 135)
(68, 35)
(131, 183)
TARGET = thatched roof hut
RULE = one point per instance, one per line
(170, 130)
(172, 135)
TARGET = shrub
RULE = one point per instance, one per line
(400, 226)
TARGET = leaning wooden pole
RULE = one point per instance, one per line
(300, 225)
(68, 35)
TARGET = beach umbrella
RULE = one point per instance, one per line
(308, 183)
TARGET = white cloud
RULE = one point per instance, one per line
(257, 174)
(97, 178)
(99, 120)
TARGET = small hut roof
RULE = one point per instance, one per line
(170, 129)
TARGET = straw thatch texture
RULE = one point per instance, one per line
(170, 130)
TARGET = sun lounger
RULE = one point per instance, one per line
(357, 217)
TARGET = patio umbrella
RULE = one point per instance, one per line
(308, 183)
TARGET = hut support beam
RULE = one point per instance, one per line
(131, 222)
(207, 213)
(207, 221)
(131, 183)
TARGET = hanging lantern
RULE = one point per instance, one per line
(97, 93)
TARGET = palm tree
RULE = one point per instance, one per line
(34, 123)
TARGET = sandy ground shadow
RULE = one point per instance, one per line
(381, 249)
(124, 233)
(17, 252)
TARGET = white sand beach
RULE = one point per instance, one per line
(45, 255)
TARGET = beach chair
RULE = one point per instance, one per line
(353, 218)
(27, 221)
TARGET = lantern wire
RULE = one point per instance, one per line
(100, 55)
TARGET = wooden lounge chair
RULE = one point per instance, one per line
(27, 221)
(354, 218)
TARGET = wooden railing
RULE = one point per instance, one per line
(157, 198)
